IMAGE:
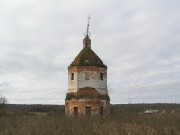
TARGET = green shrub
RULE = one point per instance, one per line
(106, 97)
(70, 96)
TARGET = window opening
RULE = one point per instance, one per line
(101, 76)
(87, 76)
(88, 110)
(72, 76)
(75, 111)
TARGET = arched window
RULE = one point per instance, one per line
(72, 76)
(75, 111)
(101, 76)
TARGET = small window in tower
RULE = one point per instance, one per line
(87, 61)
(101, 76)
(87, 75)
(72, 76)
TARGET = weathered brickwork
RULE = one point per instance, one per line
(97, 107)
(94, 80)
(87, 84)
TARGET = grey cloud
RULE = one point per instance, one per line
(138, 40)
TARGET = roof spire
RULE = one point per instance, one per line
(87, 32)
(87, 40)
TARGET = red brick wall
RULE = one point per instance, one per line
(83, 103)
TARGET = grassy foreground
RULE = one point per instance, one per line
(124, 120)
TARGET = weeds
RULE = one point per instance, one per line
(124, 121)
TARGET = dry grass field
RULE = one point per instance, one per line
(123, 120)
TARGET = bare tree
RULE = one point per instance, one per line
(3, 102)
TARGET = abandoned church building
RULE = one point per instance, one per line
(87, 83)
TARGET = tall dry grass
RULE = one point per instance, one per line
(121, 122)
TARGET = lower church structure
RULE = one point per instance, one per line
(87, 83)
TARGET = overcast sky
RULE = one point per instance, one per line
(139, 41)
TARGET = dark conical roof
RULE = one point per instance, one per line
(87, 57)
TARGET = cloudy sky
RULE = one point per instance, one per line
(139, 40)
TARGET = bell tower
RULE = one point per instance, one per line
(87, 83)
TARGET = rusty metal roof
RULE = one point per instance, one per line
(87, 57)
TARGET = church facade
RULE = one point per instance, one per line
(87, 84)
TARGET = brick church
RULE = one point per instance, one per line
(87, 83)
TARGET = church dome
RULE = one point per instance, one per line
(87, 57)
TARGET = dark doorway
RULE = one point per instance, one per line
(75, 111)
(88, 110)
(101, 110)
